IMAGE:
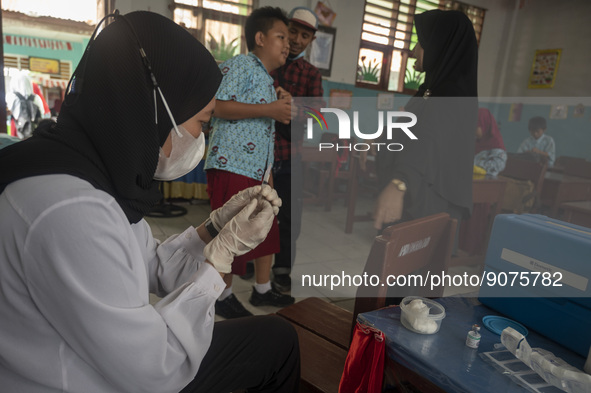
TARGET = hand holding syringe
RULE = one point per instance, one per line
(222, 215)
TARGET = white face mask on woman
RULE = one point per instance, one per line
(186, 150)
(185, 155)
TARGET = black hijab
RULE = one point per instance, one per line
(451, 54)
(106, 131)
(441, 160)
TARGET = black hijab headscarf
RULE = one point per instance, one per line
(440, 162)
(106, 131)
(450, 60)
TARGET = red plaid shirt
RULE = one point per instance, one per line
(300, 79)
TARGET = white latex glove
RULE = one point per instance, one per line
(220, 217)
(242, 233)
(270, 194)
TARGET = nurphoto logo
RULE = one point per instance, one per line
(394, 120)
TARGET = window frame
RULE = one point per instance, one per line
(202, 14)
(387, 49)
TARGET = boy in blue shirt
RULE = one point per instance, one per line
(241, 143)
(538, 142)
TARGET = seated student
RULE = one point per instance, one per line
(241, 143)
(538, 142)
(79, 261)
(489, 147)
(490, 155)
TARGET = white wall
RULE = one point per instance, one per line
(346, 51)
(550, 24)
(491, 50)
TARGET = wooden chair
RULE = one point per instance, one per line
(324, 329)
(353, 190)
(519, 168)
(328, 170)
(319, 175)
(489, 191)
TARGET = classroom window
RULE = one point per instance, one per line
(388, 35)
(219, 25)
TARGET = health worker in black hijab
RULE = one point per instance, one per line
(78, 261)
(433, 173)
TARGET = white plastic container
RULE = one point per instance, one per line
(422, 318)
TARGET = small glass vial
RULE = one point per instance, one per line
(473, 338)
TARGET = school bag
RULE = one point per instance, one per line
(29, 115)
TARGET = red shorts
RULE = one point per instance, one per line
(221, 185)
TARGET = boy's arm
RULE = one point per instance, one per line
(279, 110)
(547, 151)
(236, 83)
(540, 152)
(551, 149)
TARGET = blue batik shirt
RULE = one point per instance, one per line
(245, 146)
(544, 143)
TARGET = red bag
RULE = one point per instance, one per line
(364, 367)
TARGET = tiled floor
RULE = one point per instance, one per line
(323, 248)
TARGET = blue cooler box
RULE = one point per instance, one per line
(557, 256)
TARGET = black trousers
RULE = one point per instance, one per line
(259, 354)
(288, 182)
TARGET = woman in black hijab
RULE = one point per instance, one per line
(433, 174)
(106, 132)
(79, 261)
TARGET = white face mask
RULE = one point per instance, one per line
(185, 155)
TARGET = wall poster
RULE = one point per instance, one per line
(544, 68)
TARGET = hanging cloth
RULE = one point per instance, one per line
(37, 90)
(364, 367)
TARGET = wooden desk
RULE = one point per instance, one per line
(578, 213)
(556, 169)
(487, 196)
(559, 188)
(442, 360)
(488, 191)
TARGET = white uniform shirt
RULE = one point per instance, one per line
(75, 278)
